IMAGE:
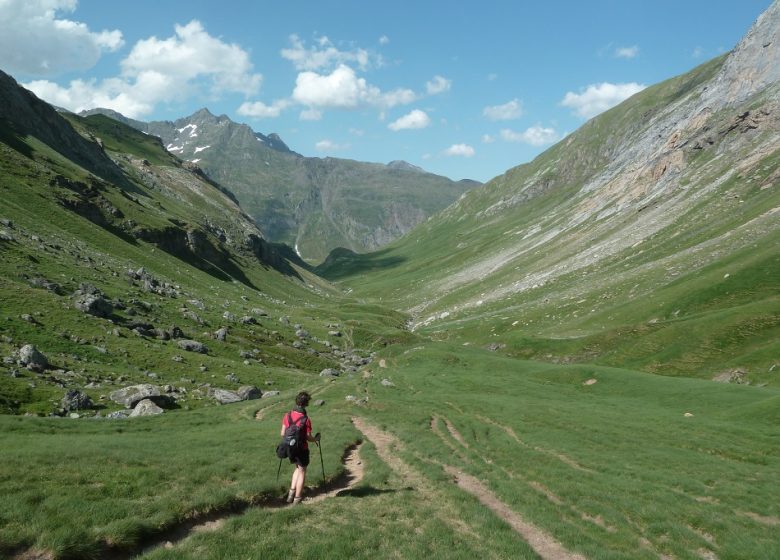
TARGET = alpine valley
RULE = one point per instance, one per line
(579, 359)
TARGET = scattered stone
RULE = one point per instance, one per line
(178, 359)
(118, 415)
(260, 312)
(74, 415)
(192, 316)
(232, 377)
(223, 396)
(334, 333)
(387, 383)
(248, 320)
(29, 318)
(47, 285)
(495, 346)
(285, 320)
(75, 400)
(249, 393)
(193, 346)
(297, 344)
(228, 316)
(221, 334)
(32, 359)
(146, 407)
(268, 394)
(590, 381)
(382, 363)
(318, 402)
(269, 383)
(330, 372)
(688, 415)
(737, 375)
(302, 333)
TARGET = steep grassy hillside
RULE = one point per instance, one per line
(646, 239)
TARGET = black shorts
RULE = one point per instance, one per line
(300, 458)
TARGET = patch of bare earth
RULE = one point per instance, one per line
(542, 542)
(767, 520)
(34, 554)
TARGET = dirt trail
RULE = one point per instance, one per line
(542, 542)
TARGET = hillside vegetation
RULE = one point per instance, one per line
(486, 387)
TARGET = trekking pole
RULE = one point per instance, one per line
(322, 464)
(278, 471)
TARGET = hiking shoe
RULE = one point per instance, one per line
(296, 500)
(290, 496)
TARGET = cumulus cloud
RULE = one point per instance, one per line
(627, 52)
(384, 39)
(437, 85)
(260, 110)
(323, 55)
(463, 150)
(412, 120)
(161, 70)
(535, 135)
(597, 98)
(329, 146)
(35, 41)
(508, 111)
(343, 89)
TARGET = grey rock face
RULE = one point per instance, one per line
(76, 400)
(130, 396)
(249, 393)
(32, 359)
(193, 346)
(146, 408)
(223, 396)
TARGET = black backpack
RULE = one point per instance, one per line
(294, 436)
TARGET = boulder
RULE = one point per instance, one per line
(248, 320)
(302, 333)
(76, 400)
(249, 393)
(146, 408)
(132, 395)
(32, 359)
(94, 304)
(223, 396)
(193, 346)
(330, 372)
(221, 334)
(268, 394)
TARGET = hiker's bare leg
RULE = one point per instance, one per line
(294, 482)
(299, 477)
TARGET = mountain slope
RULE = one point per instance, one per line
(313, 204)
(647, 238)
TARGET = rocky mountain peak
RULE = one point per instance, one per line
(400, 164)
(753, 65)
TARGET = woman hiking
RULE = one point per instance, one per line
(299, 455)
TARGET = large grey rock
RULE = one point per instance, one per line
(76, 400)
(130, 396)
(223, 396)
(146, 408)
(193, 346)
(31, 358)
(221, 334)
(330, 372)
(249, 393)
(94, 304)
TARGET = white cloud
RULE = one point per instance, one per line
(161, 70)
(35, 41)
(329, 146)
(487, 139)
(437, 85)
(260, 110)
(323, 55)
(627, 52)
(463, 150)
(412, 120)
(342, 89)
(508, 111)
(597, 98)
(384, 39)
(535, 135)
(310, 115)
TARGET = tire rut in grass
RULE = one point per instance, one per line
(353, 473)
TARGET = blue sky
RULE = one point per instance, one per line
(463, 89)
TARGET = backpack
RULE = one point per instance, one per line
(294, 437)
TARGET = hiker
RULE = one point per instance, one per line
(300, 454)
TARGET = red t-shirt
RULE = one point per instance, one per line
(295, 416)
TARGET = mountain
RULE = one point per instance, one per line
(646, 238)
(313, 204)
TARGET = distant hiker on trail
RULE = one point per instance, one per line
(298, 453)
